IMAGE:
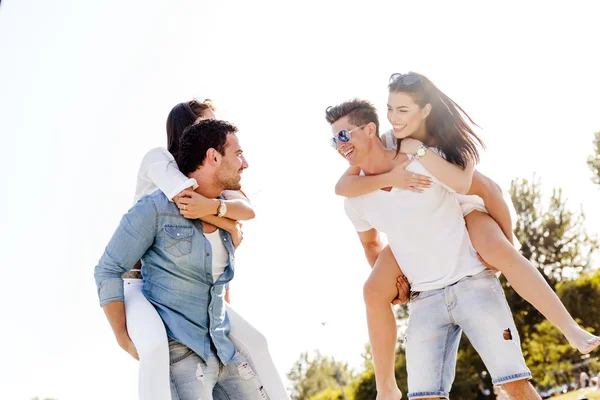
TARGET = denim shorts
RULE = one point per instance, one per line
(475, 305)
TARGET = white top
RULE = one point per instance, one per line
(220, 257)
(159, 170)
(475, 202)
(426, 231)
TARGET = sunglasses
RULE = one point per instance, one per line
(343, 136)
(405, 79)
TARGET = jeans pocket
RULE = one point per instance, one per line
(178, 351)
(178, 240)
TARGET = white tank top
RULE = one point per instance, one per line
(220, 257)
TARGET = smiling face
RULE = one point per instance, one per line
(406, 117)
(357, 148)
(232, 164)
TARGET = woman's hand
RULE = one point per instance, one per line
(237, 235)
(401, 178)
(409, 145)
(193, 205)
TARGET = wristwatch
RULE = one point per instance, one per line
(222, 210)
(420, 151)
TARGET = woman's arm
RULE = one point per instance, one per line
(193, 205)
(234, 228)
(491, 193)
(238, 206)
(159, 167)
(451, 175)
(351, 184)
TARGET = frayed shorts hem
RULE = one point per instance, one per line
(512, 378)
(425, 395)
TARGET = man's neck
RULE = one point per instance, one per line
(206, 187)
(379, 160)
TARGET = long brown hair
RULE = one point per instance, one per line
(182, 116)
(446, 123)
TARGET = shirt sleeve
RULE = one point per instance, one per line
(159, 167)
(358, 220)
(135, 235)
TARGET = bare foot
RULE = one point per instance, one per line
(394, 395)
(583, 341)
(590, 345)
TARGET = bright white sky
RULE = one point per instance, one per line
(85, 88)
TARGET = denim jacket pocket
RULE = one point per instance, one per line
(178, 240)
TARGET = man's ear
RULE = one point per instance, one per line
(213, 157)
(371, 130)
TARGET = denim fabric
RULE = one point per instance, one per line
(437, 318)
(177, 273)
(193, 378)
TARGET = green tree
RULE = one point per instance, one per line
(546, 351)
(311, 375)
(582, 298)
(364, 386)
(334, 394)
(594, 159)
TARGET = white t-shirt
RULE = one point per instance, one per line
(426, 231)
(468, 203)
(159, 170)
(220, 257)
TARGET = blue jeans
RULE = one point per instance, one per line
(475, 305)
(193, 379)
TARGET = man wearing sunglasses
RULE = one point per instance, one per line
(427, 235)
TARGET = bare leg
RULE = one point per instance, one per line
(491, 244)
(521, 390)
(379, 291)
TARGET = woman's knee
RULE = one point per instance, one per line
(374, 295)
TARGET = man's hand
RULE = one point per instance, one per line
(486, 264)
(127, 345)
(401, 178)
(403, 290)
(193, 205)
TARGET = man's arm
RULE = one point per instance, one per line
(135, 234)
(491, 193)
(372, 245)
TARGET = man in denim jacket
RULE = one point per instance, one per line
(178, 272)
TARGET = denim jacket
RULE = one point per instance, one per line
(177, 272)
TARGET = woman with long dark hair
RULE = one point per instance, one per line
(430, 127)
(159, 170)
